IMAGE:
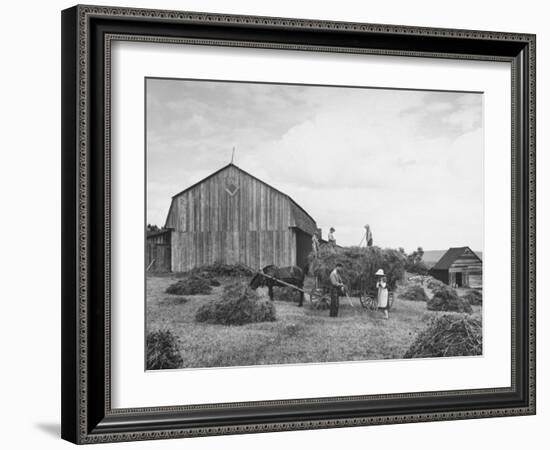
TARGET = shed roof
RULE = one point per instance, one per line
(302, 220)
(450, 256)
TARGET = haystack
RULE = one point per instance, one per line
(163, 351)
(238, 305)
(446, 299)
(190, 285)
(448, 335)
(474, 297)
(415, 293)
(434, 283)
(219, 269)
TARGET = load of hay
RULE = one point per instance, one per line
(190, 285)
(359, 265)
(448, 335)
(474, 297)
(163, 351)
(238, 305)
(415, 293)
(446, 299)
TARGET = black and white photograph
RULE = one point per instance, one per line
(296, 224)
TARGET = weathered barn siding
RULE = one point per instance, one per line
(158, 254)
(460, 267)
(252, 224)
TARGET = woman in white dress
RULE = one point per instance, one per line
(382, 286)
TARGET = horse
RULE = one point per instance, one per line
(292, 275)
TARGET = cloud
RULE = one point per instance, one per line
(409, 163)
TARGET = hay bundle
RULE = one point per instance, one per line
(446, 299)
(190, 285)
(448, 335)
(219, 269)
(474, 297)
(239, 305)
(434, 283)
(414, 293)
(201, 273)
(208, 276)
(359, 265)
(163, 351)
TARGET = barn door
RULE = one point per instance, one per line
(158, 257)
(458, 278)
(303, 248)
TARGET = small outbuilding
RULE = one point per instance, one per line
(459, 267)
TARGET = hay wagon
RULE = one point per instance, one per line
(319, 296)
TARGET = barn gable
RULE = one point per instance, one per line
(453, 255)
(232, 216)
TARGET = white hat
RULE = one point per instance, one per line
(379, 272)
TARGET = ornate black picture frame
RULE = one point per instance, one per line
(87, 34)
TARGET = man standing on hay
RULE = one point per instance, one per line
(336, 287)
(331, 238)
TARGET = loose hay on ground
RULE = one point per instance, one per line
(415, 293)
(448, 335)
(163, 351)
(219, 269)
(190, 285)
(434, 283)
(174, 300)
(474, 297)
(238, 305)
(446, 299)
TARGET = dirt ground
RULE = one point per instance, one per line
(299, 335)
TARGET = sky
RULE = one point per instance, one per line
(408, 163)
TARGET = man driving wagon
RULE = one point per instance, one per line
(336, 289)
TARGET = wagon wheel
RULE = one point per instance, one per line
(319, 298)
(368, 302)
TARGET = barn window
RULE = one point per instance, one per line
(231, 188)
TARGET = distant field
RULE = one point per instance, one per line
(300, 335)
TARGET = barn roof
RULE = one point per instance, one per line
(447, 260)
(152, 234)
(302, 220)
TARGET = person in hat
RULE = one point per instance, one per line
(382, 286)
(336, 287)
(331, 238)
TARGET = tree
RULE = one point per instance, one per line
(415, 264)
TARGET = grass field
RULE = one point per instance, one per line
(299, 335)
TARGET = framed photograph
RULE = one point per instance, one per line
(279, 224)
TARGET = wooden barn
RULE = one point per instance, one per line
(233, 217)
(459, 267)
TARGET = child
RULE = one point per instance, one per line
(382, 286)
